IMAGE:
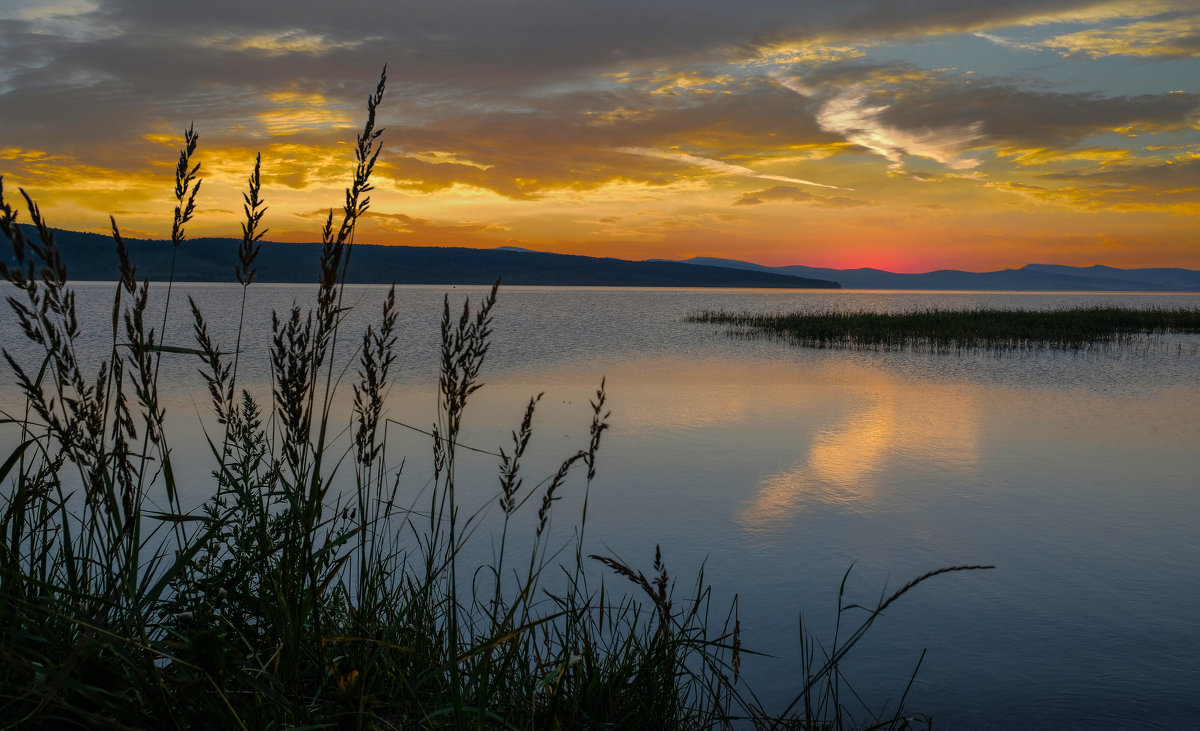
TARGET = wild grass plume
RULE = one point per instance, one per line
(284, 601)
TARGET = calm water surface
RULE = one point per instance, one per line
(778, 468)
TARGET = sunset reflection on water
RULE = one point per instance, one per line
(846, 459)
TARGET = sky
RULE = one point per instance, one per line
(908, 135)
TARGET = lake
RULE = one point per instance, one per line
(779, 468)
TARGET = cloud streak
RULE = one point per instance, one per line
(796, 195)
(717, 166)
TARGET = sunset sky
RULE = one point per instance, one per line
(906, 135)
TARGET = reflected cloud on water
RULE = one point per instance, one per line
(845, 461)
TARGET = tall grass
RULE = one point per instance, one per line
(936, 330)
(283, 601)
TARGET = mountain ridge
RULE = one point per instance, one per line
(91, 256)
(1031, 277)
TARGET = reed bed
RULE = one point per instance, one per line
(938, 330)
(284, 601)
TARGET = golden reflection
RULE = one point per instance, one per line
(935, 424)
(847, 455)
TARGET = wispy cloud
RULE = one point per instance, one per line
(1003, 42)
(81, 21)
(1176, 37)
(849, 112)
(717, 166)
(796, 195)
(282, 42)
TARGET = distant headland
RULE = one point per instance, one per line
(92, 257)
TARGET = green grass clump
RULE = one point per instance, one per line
(936, 330)
(284, 601)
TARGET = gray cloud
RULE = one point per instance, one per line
(1017, 116)
(521, 89)
(478, 46)
(895, 110)
(1181, 175)
(1169, 186)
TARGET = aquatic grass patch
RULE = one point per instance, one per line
(940, 329)
(314, 587)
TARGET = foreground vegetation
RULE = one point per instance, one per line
(289, 600)
(958, 329)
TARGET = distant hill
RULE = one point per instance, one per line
(93, 257)
(1033, 277)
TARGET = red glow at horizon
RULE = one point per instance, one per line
(899, 262)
